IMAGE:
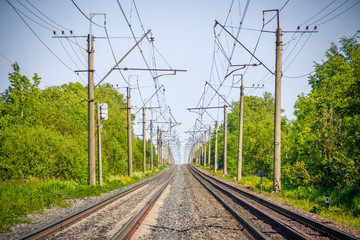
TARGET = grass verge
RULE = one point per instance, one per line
(344, 204)
(20, 198)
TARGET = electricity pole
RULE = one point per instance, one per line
(209, 147)
(151, 146)
(144, 141)
(129, 132)
(204, 149)
(161, 149)
(277, 124)
(158, 147)
(91, 111)
(216, 147)
(99, 144)
(241, 116)
(225, 141)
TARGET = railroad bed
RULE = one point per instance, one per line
(185, 203)
(264, 219)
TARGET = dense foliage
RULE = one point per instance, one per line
(321, 147)
(43, 133)
(327, 127)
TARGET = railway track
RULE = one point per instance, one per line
(123, 201)
(264, 219)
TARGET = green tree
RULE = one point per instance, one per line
(326, 131)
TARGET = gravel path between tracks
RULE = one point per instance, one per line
(190, 212)
(56, 213)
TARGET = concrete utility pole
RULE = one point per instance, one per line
(99, 144)
(169, 153)
(161, 149)
(144, 140)
(277, 124)
(225, 141)
(216, 147)
(205, 149)
(209, 147)
(158, 147)
(91, 111)
(151, 146)
(129, 132)
(241, 119)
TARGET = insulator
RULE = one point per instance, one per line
(54, 32)
(307, 27)
(315, 27)
(298, 28)
(71, 32)
(62, 32)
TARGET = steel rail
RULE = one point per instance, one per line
(283, 228)
(67, 221)
(130, 227)
(318, 226)
(250, 228)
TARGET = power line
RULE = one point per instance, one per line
(47, 17)
(39, 37)
(338, 14)
(113, 54)
(298, 52)
(20, 12)
(318, 13)
(275, 14)
(38, 16)
(85, 14)
(329, 13)
(299, 76)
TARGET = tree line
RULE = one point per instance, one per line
(43, 133)
(321, 147)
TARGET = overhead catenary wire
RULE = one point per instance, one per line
(85, 14)
(328, 13)
(339, 14)
(37, 36)
(318, 13)
(21, 13)
(54, 27)
(62, 27)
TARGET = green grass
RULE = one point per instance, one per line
(344, 204)
(20, 198)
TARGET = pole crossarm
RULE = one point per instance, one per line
(112, 69)
(155, 69)
(162, 86)
(152, 69)
(217, 23)
(242, 66)
(221, 96)
(197, 108)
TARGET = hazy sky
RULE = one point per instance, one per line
(184, 39)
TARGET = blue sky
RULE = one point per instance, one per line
(184, 39)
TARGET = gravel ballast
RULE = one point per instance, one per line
(190, 212)
(56, 213)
